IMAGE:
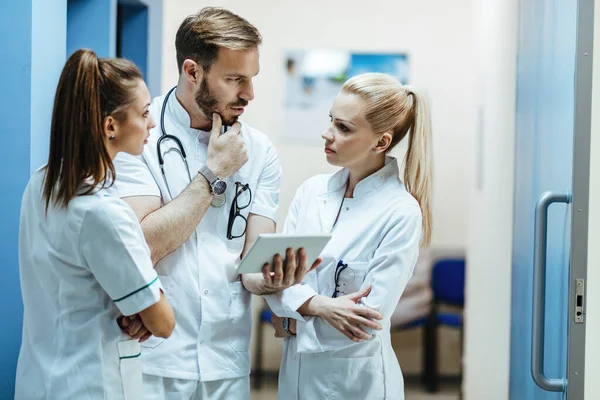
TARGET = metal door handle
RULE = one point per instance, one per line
(539, 291)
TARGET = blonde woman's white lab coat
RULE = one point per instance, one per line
(377, 235)
(81, 267)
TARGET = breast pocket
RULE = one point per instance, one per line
(357, 378)
(233, 215)
(352, 277)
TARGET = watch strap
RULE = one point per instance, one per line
(286, 326)
(208, 174)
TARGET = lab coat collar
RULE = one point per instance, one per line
(376, 180)
(331, 200)
(369, 184)
(180, 115)
(109, 188)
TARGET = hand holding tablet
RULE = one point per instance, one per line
(268, 245)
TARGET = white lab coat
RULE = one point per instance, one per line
(81, 268)
(212, 308)
(377, 234)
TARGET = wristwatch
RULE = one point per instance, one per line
(286, 326)
(218, 187)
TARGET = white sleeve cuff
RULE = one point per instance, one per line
(140, 299)
(287, 302)
(265, 211)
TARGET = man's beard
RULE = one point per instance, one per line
(209, 104)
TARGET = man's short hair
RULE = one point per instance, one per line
(200, 35)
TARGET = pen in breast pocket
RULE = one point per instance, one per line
(340, 267)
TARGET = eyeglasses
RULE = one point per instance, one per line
(236, 226)
(338, 271)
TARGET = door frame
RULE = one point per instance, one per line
(581, 188)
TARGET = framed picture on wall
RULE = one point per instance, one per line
(314, 77)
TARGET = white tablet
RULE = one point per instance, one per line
(269, 244)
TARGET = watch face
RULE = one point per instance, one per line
(219, 187)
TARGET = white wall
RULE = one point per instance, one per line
(489, 245)
(435, 33)
(438, 36)
(592, 344)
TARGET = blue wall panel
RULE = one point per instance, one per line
(133, 35)
(28, 83)
(48, 55)
(15, 104)
(37, 36)
(92, 24)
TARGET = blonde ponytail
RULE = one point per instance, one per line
(390, 106)
(418, 170)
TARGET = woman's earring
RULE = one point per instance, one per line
(112, 137)
(374, 151)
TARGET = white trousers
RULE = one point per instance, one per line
(159, 388)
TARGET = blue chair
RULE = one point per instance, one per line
(448, 285)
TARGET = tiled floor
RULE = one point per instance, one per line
(413, 392)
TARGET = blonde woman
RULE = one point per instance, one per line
(337, 322)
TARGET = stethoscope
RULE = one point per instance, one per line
(217, 201)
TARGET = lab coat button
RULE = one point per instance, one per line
(206, 292)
